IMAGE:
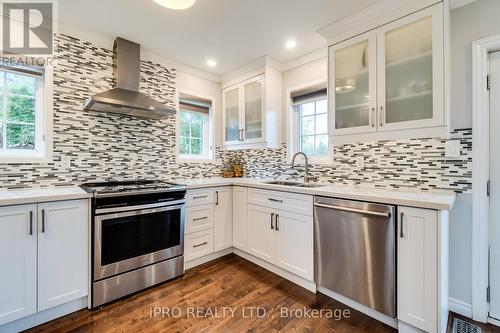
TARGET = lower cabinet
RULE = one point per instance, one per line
(44, 256)
(240, 227)
(282, 238)
(261, 233)
(422, 268)
(223, 231)
(199, 244)
(18, 241)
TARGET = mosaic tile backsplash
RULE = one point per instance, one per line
(103, 146)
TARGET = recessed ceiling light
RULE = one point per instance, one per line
(175, 4)
(290, 44)
(211, 63)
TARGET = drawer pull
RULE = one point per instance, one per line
(275, 200)
(200, 218)
(200, 197)
(31, 222)
(198, 245)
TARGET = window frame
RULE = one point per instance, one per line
(294, 128)
(208, 128)
(43, 152)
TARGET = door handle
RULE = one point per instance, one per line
(277, 222)
(31, 222)
(242, 134)
(216, 198)
(381, 115)
(401, 232)
(43, 220)
(272, 225)
(374, 116)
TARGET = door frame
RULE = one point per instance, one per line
(480, 174)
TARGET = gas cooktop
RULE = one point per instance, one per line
(131, 187)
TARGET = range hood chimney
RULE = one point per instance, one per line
(126, 98)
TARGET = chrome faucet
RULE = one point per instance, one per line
(306, 171)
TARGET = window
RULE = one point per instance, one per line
(194, 128)
(22, 115)
(311, 122)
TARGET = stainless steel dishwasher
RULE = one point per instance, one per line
(355, 251)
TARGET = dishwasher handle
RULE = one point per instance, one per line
(353, 210)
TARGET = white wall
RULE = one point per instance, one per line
(196, 85)
(316, 70)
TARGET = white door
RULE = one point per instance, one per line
(417, 268)
(240, 218)
(231, 115)
(262, 233)
(17, 262)
(222, 219)
(253, 111)
(62, 252)
(495, 187)
(294, 244)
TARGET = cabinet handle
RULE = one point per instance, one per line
(200, 218)
(272, 225)
(277, 222)
(200, 197)
(216, 198)
(373, 117)
(43, 220)
(275, 200)
(242, 134)
(198, 245)
(401, 232)
(381, 115)
(31, 222)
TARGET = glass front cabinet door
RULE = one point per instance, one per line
(390, 78)
(244, 113)
(353, 85)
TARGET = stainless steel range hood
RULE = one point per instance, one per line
(126, 98)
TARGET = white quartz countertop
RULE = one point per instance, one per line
(34, 195)
(420, 199)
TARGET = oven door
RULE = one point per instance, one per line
(124, 241)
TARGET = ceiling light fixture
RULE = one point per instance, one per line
(211, 63)
(291, 44)
(175, 4)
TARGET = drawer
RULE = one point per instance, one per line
(199, 218)
(199, 244)
(290, 202)
(199, 197)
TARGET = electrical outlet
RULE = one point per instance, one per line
(452, 149)
(66, 161)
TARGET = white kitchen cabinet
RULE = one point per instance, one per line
(18, 240)
(422, 269)
(199, 218)
(294, 243)
(390, 78)
(240, 231)
(261, 232)
(223, 218)
(62, 252)
(199, 244)
(251, 107)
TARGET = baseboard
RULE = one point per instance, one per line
(309, 285)
(460, 307)
(207, 258)
(44, 316)
(393, 322)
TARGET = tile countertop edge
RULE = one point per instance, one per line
(423, 199)
(39, 195)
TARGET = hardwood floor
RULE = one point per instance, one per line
(253, 299)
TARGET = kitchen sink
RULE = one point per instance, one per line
(289, 183)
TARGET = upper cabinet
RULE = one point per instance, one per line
(390, 78)
(251, 110)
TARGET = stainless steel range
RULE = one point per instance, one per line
(137, 236)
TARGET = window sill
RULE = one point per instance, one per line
(25, 158)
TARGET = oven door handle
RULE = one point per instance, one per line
(121, 209)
